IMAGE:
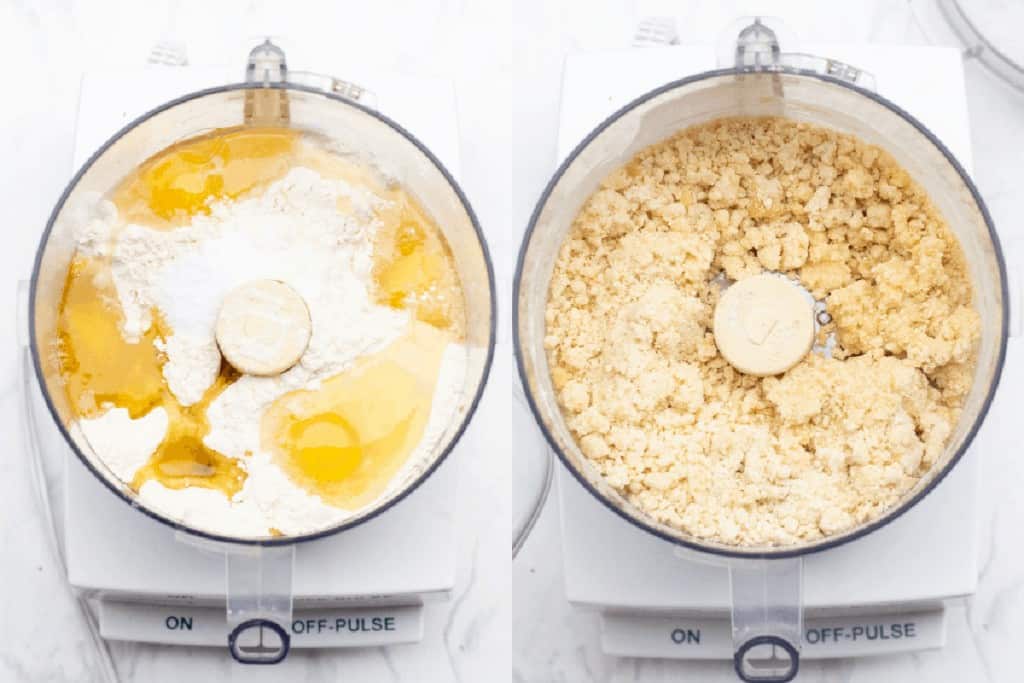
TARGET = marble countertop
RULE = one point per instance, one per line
(505, 621)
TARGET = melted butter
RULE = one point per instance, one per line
(346, 440)
(101, 369)
(413, 266)
(98, 365)
(182, 459)
(182, 180)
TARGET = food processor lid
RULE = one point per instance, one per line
(989, 31)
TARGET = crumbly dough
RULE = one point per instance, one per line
(740, 459)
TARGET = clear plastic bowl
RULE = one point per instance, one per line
(801, 96)
(344, 124)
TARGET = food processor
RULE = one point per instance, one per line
(754, 77)
(258, 574)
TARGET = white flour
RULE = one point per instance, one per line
(293, 232)
(125, 444)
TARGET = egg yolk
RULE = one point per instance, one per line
(346, 440)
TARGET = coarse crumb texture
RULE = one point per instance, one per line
(745, 460)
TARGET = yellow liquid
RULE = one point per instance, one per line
(346, 440)
(101, 369)
(414, 269)
(182, 459)
(182, 180)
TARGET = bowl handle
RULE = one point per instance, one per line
(268, 105)
(767, 618)
(258, 591)
(752, 43)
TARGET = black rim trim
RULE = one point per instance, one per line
(893, 513)
(348, 524)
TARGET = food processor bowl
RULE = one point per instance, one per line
(812, 98)
(766, 580)
(346, 126)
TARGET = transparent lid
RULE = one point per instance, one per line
(990, 32)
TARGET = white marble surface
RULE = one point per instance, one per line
(505, 622)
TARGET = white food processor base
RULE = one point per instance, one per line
(883, 593)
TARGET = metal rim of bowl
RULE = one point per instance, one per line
(759, 552)
(132, 501)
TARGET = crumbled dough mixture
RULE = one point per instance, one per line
(739, 459)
